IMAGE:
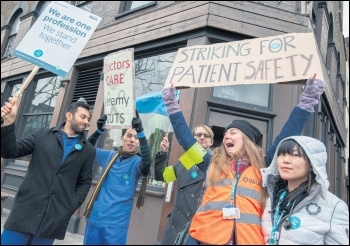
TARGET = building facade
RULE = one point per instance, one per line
(156, 30)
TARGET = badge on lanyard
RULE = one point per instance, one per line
(231, 212)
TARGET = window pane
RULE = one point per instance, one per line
(33, 123)
(252, 94)
(15, 26)
(85, 5)
(129, 5)
(46, 93)
(43, 7)
(10, 46)
(15, 89)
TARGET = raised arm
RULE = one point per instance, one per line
(144, 147)
(182, 132)
(300, 114)
(100, 130)
(161, 157)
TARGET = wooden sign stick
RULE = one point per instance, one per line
(26, 82)
(24, 85)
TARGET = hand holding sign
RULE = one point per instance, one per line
(312, 92)
(21, 90)
(9, 111)
(101, 122)
(136, 123)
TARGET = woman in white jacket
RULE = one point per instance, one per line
(300, 209)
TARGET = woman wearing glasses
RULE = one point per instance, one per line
(189, 183)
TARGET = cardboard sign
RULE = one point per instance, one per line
(118, 88)
(57, 37)
(285, 58)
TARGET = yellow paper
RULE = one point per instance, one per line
(169, 174)
(193, 156)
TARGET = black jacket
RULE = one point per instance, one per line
(59, 189)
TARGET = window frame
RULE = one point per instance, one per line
(123, 12)
(82, 4)
(14, 25)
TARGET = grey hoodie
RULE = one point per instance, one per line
(321, 217)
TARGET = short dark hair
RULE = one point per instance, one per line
(124, 131)
(80, 103)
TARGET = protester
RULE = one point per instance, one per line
(300, 209)
(233, 202)
(58, 178)
(189, 183)
(111, 211)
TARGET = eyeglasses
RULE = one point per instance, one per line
(198, 135)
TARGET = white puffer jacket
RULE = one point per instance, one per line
(321, 218)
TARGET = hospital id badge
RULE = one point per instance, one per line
(231, 212)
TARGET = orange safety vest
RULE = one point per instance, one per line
(208, 225)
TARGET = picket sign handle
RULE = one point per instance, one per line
(27, 81)
(24, 86)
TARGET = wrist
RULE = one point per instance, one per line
(8, 122)
(99, 131)
(141, 134)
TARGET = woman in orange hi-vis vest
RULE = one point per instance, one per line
(231, 208)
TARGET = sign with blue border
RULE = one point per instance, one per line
(57, 37)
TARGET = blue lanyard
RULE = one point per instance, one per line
(277, 219)
(233, 192)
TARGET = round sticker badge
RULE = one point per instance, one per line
(295, 222)
(78, 146)
(126, 178)
(194, 174)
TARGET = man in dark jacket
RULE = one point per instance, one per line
(58, 178)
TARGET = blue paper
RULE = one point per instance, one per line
(152, 103)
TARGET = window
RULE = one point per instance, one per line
(38, 108)
(12, 88)
(130, 5)
(41, 7)
(12, 37)
(150, 75)
(251, 94)
(85, 5)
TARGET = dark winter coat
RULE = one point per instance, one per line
(50, 192)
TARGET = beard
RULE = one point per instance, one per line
(75, 126)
